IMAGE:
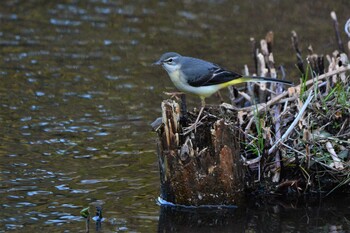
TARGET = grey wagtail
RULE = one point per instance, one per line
(202, 78)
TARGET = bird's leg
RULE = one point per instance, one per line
(200, 111)
(220, 97)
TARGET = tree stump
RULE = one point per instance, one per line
(202, 167)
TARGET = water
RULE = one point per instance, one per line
(78, 94)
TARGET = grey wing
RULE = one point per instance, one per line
(202, 73)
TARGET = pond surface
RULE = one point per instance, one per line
(78, 94)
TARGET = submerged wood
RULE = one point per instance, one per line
(203, 167)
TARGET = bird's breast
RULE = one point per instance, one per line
(177, 78)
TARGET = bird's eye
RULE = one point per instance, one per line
(170, 60)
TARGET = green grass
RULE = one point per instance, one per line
(343, 95)
(340, 94)
(256, 145)
(259, 130)
(304, 78)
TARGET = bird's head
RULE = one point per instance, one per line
(170, 61)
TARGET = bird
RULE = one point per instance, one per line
(203, 78)
(347, 28)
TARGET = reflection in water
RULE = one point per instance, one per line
(77, 95)
(200, 220)
(258, 216)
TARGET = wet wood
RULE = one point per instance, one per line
(203, 167)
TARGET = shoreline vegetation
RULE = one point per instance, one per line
(268, 139)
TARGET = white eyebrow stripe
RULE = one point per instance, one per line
(170, 58)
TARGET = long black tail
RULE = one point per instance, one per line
(263, 79)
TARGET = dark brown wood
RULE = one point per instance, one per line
(337, 33)
(295, 43)
(254, 54)
(203, 167)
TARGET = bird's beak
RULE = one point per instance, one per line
(157, 63)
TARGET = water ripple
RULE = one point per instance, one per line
(25, 204)
(8, 16)
(13, 226)
(39, 192)
(65, 22)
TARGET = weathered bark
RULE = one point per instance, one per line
(203, 167)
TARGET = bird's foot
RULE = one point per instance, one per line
(176, 95)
